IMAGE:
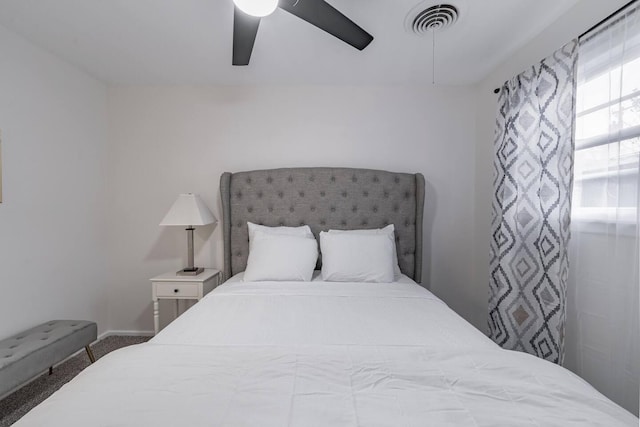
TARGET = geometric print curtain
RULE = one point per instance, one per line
(531, 207)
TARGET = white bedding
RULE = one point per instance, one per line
(324, 354)
(322, 313)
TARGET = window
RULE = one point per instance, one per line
(608, 124)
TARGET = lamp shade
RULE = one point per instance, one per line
(189, 209)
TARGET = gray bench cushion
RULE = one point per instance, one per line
(27, 354)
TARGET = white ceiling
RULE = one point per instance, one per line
(159, 42)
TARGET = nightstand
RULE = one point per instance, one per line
(172, 286)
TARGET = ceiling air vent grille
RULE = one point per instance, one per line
(434, 18)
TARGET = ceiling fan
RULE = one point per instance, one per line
(248, 13)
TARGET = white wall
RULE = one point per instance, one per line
(171, 140)
(52, 219)
(578, 19)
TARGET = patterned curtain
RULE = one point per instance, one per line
(531, 207)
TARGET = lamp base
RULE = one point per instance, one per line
(190, 271)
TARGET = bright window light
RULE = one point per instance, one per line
(607, 132)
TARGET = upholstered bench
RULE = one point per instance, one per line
(27, 354)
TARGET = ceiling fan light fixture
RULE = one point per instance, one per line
(259, 8)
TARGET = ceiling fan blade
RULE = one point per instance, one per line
(245, 28)
(327, 18)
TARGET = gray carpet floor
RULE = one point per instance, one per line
(15, 405)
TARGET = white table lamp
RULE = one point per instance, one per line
(189, 210)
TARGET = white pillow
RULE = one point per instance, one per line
(389, 229)
(278, 258)
(357, 257)
(302, 231)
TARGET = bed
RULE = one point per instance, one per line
(318, 353)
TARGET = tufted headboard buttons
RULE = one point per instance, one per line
(323, 198)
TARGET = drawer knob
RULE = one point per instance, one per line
(176, 290)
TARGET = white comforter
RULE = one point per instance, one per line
(324, 354)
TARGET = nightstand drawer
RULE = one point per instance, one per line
(176, 287)
(176, 290)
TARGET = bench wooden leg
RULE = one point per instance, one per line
(90, 354)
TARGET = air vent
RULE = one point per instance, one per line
(435, 18)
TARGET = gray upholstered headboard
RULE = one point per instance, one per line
(323, 198)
